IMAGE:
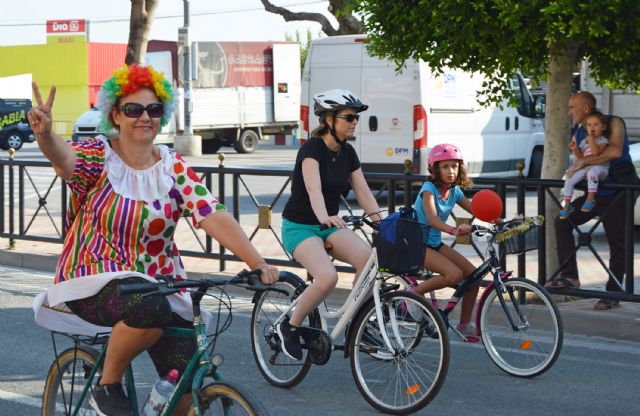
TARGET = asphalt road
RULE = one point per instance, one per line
(591, 377)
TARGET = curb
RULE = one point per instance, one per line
(40, 262)
(616, 326)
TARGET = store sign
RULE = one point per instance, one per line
(66, 31)
(66, 27)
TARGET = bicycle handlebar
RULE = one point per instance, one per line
(165, 287)
(356, 221)
(480, 230)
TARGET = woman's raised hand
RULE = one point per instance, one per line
(40, 115)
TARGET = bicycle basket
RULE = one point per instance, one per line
(522, 237)
(400, 244)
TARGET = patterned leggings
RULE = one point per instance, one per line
(106, 308)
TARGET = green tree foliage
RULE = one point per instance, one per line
(498, 37)
(304, 44)
(544, 38)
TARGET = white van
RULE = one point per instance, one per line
(413, 110)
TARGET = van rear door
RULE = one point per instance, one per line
(386, 128)
(286, 82)
(334, 65)
(483, 134)
(452, 111)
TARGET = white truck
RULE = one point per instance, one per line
(242, 92)
(415, 109)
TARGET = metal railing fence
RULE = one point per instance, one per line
(51, 196)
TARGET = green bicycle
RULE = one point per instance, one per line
(71, 375)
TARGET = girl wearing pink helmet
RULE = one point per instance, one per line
(436, 199)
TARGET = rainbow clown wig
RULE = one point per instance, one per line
(129, 79)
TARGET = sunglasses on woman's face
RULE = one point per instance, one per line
(349, 117)
(135, 110)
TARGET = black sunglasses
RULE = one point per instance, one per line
(135, 110)
(349, 117)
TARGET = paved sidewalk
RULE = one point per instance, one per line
(622, 323)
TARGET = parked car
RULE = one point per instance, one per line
(634, 151)
(14, 125)
(87, 125)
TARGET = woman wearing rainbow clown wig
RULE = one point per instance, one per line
(127, 195)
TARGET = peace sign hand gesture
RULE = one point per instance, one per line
(40, 115)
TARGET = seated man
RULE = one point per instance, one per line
(581, 104)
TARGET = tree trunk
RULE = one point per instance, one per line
(348, 23)
(562, 63)
(142, 14)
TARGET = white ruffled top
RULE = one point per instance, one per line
(148, 184)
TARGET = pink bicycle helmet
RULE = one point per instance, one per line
(444, 152)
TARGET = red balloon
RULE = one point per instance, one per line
(486, 205)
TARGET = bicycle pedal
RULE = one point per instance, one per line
(390, 287)
(318, 344)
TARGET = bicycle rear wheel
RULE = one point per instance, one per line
(275, 366)
(223, 398)
(65, 381)
(408, 379)
(533, 347)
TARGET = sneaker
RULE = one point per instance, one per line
(289, 339)
(468, 330)
(109, 400)
(371, 336)
(429, 329)
(606, 304)
(410, 310)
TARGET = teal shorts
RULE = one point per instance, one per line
(293, 233)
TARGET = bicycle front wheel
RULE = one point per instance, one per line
(275, 366)
(222, 398)
(66, 379)
(533, 345)
(407, 378)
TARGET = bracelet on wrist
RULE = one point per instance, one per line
(452, 230)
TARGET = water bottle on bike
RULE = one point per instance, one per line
(160, 394)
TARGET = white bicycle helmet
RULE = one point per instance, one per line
(336, 100)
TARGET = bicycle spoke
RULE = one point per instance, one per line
(535, 344)
(410, 378)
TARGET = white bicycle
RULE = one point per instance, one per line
(399, 361)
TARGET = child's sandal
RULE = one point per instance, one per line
(564, 213)
(588, 205)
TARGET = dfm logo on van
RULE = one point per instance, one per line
(395, 151)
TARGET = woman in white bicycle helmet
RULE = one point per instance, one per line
(312, 230)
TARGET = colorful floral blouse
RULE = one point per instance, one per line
(123, 219)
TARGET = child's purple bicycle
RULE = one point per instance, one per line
(517, 320)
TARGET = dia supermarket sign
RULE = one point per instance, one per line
(66, 27)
